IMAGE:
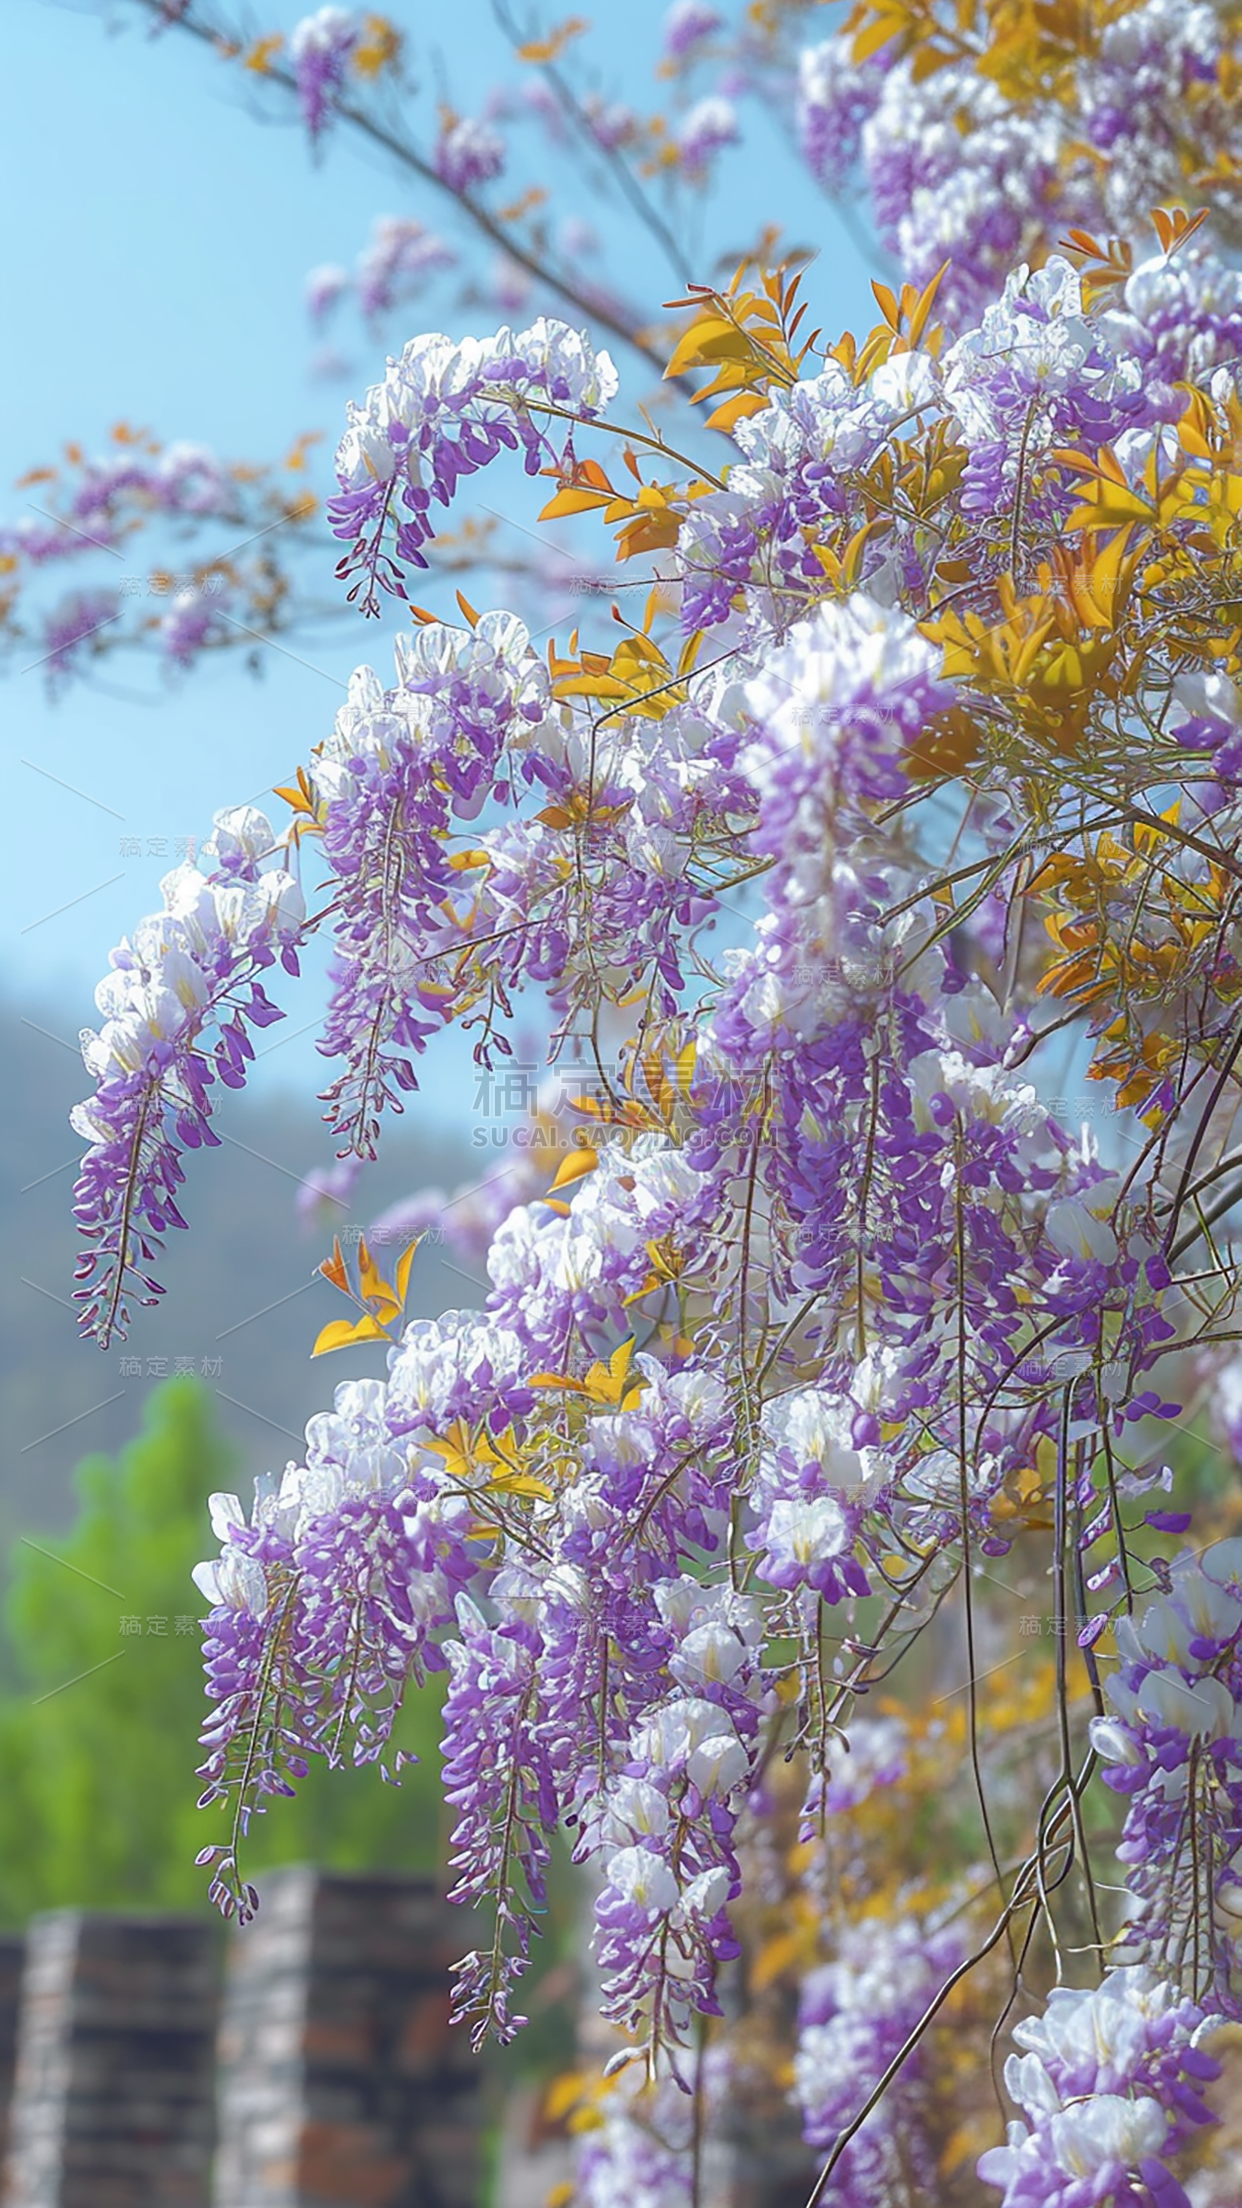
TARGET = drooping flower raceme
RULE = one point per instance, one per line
(319, 48)
(1112, 2085)
(469, 153)
(1171, 1746)
(977, 163)
(857, 2013)
(188, 973)
(442, 412)
(324, 1603)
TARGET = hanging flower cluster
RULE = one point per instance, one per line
(1172, 1744)
(188, 973)
(399, 260)
(442, 412)
(1111, 2084)
(242, 522)
(985, 132)
(319, 49)
(858, 2012)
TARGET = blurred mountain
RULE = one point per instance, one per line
(243, 1302)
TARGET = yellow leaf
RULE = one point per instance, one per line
(1173, 227)
(876, 35)
(581, 1160)
(928, 60)
(926, 300)
(573, 500)
(379, 47)
(966, 2143)
(404, 1262)
(709, 340)
(375, 1289)
(263, 53)
(619, 1362)
(523, 205)
(689, 653)
(1112, 510)
(333, 1268)
(775, 1957)
(564, 2092)
(339, 1334)
(1108, 575)
(547, 49)
(607, 1383)
(736, 410)
(456, 1449)
(519, 1483)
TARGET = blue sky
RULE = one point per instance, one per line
(153, 261)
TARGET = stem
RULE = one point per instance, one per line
(620, 169)
(409, 158)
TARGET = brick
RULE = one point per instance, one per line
(113, 2096)
(12, 1959)
(341, 2083)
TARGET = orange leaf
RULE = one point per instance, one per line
(580, 1161)
(547, 49)
(556, 1380)
(574, 500)
(375, 1288)
(923, 306)
(263, 52)
(339, 1334)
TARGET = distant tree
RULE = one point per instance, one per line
(103, 1699)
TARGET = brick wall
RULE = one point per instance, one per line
(113, 2098)
(341, 2085)
(12, 1956)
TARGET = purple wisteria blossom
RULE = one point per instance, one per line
(443, 412)
(709, 126)
(1112, 2085)
(469, 153)
(319, 48)
(403, 765)
(962, 171)
(1170, 1746)
(857, 2013)
(500, 1786)
(834, 1302)
(187, 973)
(687, 24)
(324, 1607)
